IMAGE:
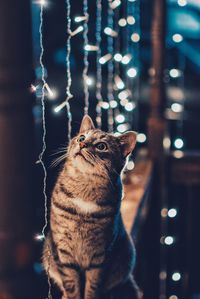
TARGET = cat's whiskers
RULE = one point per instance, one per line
(58, 160)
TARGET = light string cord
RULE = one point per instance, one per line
(68, 69)
(98, 65)
(110, 44)
(181, 83)
(85, 58)
(43, 120)
(44, 144)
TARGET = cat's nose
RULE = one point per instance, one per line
(82, 145)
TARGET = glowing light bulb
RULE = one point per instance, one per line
(33, 88)
(130, 165)
(164, 212)
(118, 57)
(89, 81)
(49, 90)
(173, 297)
(126, 59)
(132, 72)
(43, 2)
(114, 4)
(135, 37)
(120, 118)
(141, 137)
(79, 19)
(110, 31)
(123, 102)
(60, 107)
(178, 143)
(118, 82)
(176, 107)
(130, 20)
(122, 22)
(105, 105)
(113, 104)
(169, 240)
(176, 276)
(172, 213)
(177, 38)
(122, 128)
(105, 58)
(175, 73)
(129, 106)
(182, 2)
(76, 31)
(39, 237)
(178, 154)
(166, 142)
(91, 48)
(124, 94)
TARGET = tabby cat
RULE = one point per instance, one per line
(87, 252)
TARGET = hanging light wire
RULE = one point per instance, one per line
(85, 59)
(98, 65)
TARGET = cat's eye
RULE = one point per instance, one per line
(81, 138)
(101, 146)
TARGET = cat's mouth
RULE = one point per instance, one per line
(80, 154)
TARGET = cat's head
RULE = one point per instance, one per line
(93, 148)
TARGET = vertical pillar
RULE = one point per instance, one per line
(16, 150)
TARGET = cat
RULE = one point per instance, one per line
(87, 252)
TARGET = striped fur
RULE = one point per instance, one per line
(91, 253)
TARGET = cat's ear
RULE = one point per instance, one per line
(86, 124)
(128, 142)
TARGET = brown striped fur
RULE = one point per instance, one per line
(91, 253)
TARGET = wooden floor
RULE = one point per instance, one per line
(135, 183)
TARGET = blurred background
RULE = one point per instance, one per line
(141, 61)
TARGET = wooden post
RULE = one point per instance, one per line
(156, 123)
(16, 150)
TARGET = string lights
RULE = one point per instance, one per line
(86, 49)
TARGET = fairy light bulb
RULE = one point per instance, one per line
(118, 82)
(43, 2)
(91, 48)
(175, 73)
(176, 107)
(120, 118)
(124, 94)
(130, 165)
(122, 128)
(135, 37)
(178, 143)
(141, 137)
(132, 72)
(122, 22)
(113, 104)
(126, 59)
(89, 81)
(105, 58)
(123, 102)
(110, 31)
(172, 213)
(129, 106)
(118, 57)
(79, 19)
(176, 276)
(39, 237)
(169, 240)
(130, 20)
(77, 30)
(114, 4)
(182, 2)
(177, 38)
(105, 105)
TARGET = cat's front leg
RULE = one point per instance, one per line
(71, 284)
(93, 284)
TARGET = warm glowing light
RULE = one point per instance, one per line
(182, 2)
(163, 275)
(80, 19)
(34, 88)
(164, 212)
(43, 2)
(49, 90)
(122, 22)
(53, 94)
(178, 143)
(130, 165)
(120, 118)
(172, 213)
(105, 105)
(59, 107)
(91, 48)
(124, 94)
(118, 57)
(126, 59)
(105, 58)
(177, 38)
(176, 107)
(176, 276)
(110, 31)
(166, 142)
(141, 137)
(39, 237)
(76, 31)
(132, 72)
(135, 37)
(130, 20)
(118, 82)
(113, 104)
(173, 297)
(175, 73)
(89, 81)
(129, 106)
(122, 128)
(178, 154)
(169, 240)
(114, 4)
